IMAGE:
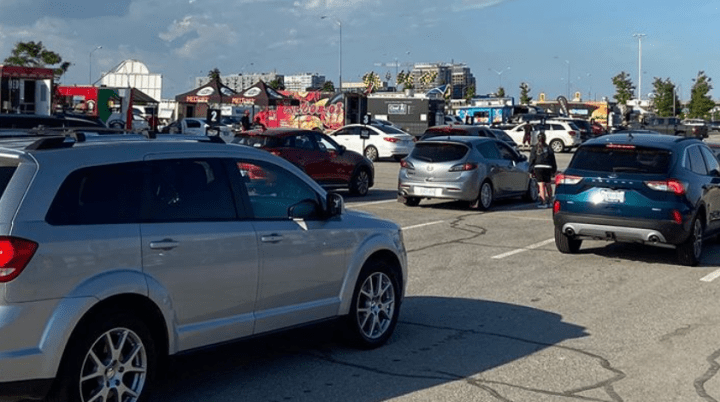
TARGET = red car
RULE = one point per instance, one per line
(327, 162)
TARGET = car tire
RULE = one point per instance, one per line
(689, 251)
(93, 349)
(485, 197)
(375, 306)
(531, 195)
(371, 153)
(411, 201)
(566, 244)
(116, 124)
(398, 158)
(557, 146)
(360, 182)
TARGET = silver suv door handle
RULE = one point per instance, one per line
(165, 244)
(273, 238)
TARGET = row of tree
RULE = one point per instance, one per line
(664, 98)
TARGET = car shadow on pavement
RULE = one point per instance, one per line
(649, 254)
(439, 342)
(372, 195)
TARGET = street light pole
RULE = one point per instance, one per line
(639, 36)
(339, 23)
(499, 73)
(90, 64)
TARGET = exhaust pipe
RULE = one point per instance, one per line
(569, 232)
(654, 239)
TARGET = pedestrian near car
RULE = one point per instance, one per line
(528, 134)
(245, 121)
(543, 166)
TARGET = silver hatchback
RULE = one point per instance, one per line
(474, 169)
(115, 252)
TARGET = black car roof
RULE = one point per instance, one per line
(641, 138)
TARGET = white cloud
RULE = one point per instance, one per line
(465, 5)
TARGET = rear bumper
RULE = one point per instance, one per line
(620, 229)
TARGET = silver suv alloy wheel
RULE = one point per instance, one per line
(375, 305)
(115, 367)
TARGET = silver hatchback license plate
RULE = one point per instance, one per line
(427, 191)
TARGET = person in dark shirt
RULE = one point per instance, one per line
(245, 121)
(543, 166)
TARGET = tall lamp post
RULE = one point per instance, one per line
(90, 64)
(639, 37)
(337, 21)
(499, 73)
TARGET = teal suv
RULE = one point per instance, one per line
(647, 188)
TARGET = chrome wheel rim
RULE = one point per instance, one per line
(375, 305)
(115, 368)
(697, 241)
(486, 195)
(362, 182)
(557, 146)
(371, 153)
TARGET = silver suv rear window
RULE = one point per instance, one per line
(7, 170)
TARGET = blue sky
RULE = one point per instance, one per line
(535, 41)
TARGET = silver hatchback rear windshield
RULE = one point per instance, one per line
(438, 152)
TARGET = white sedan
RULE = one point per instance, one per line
(380, 141)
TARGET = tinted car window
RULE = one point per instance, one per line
(710, 160)
(326, 144)
(7, 170)
(258, 140)
(193, 123)
(695, 159)
(505, 152)
(99, 195)
(621, 159)
(488, 150)
(272, 190)
(189, 190)
(439, 152)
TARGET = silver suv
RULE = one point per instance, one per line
(118, 251)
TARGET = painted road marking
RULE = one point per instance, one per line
(362, 204)
(711, 276)
(520, 250)
(422, 224)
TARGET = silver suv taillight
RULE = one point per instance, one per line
(15, 253)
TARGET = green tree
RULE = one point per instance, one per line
(214, 75)
(665, 100)
(624, 88)
(277, 84)
(700, 102)
(469, 92)
(500, 93)
(34, 54)
(328, 86)
(525, 97)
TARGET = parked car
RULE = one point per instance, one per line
(452, 119)
(585, 127)
(117, 120)
(318, 155)
(118, 253)
(478, 170)
(195, 126)
(469, 130)
(561, 135)
(382, 141)
(635, 187)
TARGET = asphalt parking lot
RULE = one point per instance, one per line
(494, 312)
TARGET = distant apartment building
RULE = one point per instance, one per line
(456, 74)
(240, 82)
(303, 82)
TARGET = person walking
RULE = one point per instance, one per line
(543, 166)
(245, 121)
(527, 138)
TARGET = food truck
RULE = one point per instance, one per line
(25, 90)
(101, 103)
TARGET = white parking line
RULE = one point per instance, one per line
(520, 250)
(711, 276)
(422, 224)
(362, 204)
